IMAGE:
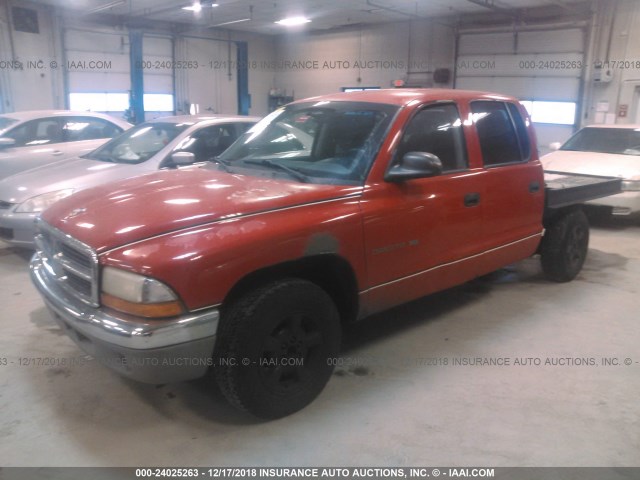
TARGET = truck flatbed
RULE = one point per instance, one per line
(564, 189)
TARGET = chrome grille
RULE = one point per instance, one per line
(71, 263)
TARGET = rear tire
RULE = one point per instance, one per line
(564, 246)
(275, 347)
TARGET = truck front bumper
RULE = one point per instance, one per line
(151, 351)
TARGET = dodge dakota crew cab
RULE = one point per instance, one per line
(326, 211)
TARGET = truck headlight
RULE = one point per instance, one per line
(631, 186)
(138, 295)
(42, 202)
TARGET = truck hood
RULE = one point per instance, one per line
(123, 212)
(77, 173)
(593, 163)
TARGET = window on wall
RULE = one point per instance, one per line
(158, 102)
(118, 102)
(556, 113)
(358, 89)
(99, 102)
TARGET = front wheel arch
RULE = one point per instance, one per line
(330, 272)
(275, 346)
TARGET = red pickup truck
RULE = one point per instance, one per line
(328, 210)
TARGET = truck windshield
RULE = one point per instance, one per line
(624, 141)
(139, 143)
(323, 142)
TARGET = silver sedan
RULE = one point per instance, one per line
(34, 138)
(168, 142)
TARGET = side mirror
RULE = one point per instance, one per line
(7, 142)
(183, 158)
(555, 146)
(414, 165)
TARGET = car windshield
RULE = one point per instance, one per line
(6, 122)
(323, 142)
(139, 143)
(623, 141)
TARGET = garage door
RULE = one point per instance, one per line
(157, 57)
(212, 86)
(543, 68)
(98, 77)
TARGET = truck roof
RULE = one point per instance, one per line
(404, 96)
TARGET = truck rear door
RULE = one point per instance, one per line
(513, 199)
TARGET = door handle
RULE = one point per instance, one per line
(57, 152)
(534, 187)
(471, 199)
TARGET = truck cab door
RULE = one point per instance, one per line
(421, 234)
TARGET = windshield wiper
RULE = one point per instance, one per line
(100, 157)
(291, 171)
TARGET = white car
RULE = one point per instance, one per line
(608, 150)
(34, 138)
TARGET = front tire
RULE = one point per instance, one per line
(564, 246)
(275, 347)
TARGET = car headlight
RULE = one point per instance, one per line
(138, 295)
(631, 186)
(42, 202)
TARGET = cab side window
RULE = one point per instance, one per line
(499, 140)
(436, 129)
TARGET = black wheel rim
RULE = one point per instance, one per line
(288, 352)
(577, 245)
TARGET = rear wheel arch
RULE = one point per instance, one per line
(565, 244)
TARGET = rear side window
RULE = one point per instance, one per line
(88, 128)
(521, 129)
(497, 134)
(436, 129)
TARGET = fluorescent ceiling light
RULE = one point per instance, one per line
(196, 7)
(229, 23)
(293, 21)
(106, 6)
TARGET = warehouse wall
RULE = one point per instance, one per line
(305, 64)
(213, 86)
(32, 84)
(617, 46)
(373, 56)
(40, 86)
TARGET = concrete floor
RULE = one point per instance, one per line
(393, 408)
